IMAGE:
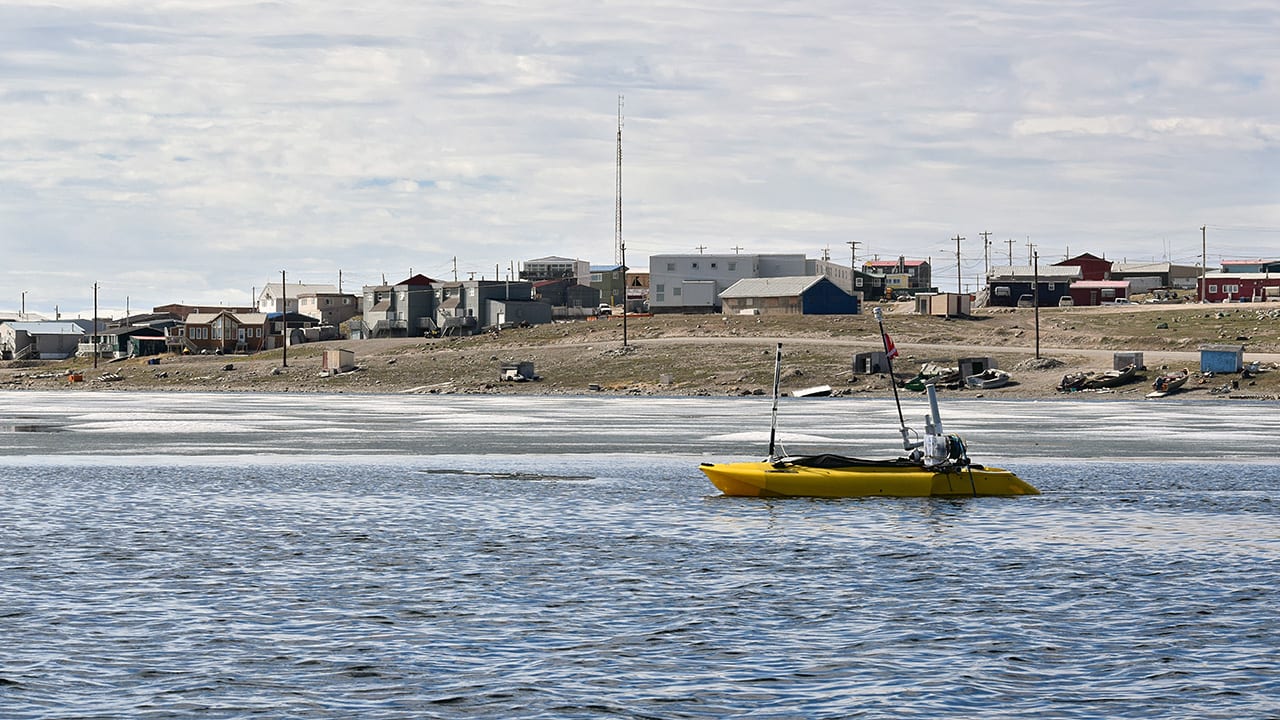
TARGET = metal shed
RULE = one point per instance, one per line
(870, 363)
(1221, 358)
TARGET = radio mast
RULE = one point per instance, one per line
(618, 247)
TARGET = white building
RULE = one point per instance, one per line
(693, 283)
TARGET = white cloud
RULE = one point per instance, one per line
(226, 140)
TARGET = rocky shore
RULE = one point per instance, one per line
(717, 355)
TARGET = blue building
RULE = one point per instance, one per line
(1221, 358)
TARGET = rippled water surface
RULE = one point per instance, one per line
(464, 557)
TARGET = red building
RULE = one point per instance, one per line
(1091, 266)
(1098, 292)
(1240, 287)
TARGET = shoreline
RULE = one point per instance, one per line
(712, 355)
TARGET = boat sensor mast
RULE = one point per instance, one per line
(773, 425)
(889, 352)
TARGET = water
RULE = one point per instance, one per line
(227, 556)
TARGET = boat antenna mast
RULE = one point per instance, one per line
(889, 352)
(773, 425)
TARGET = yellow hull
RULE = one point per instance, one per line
(762, 479)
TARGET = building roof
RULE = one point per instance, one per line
(47, 327)
(772, 286)
(292, 290)
(553, 259)
(1082, 257)
(1117, 284)
(606, 268)
(1028, 272)
(894, 263)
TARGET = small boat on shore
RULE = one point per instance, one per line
(936, 464)
(1168, 383)
(1074, 382)
(988, 380)
(936, 375)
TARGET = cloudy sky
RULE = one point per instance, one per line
(188, 151)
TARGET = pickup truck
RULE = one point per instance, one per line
(604, 309)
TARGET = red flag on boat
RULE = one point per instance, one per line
(890, 350)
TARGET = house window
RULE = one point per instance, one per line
(857, 282)
(1213, 288)
(675, 292)
(1002, 291)
(1108, 292)
(693, 265)
(597, 277)
(671, 267)
(733, 266)
(661, 288)
(713, 266)
(1231, 288)
(1051, 286)
(661, 297)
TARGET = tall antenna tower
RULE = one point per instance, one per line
(617, 213)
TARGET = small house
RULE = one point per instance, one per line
(804, 295)
(943, 304)
(1221, 358)
(1098, 292)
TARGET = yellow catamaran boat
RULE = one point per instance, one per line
(937, 465)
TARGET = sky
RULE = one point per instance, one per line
(184, 151)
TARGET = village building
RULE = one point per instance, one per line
(565, 294)
(1251, 266)
(127, 341)
(1091, 266)
(225, 332)
(610, 280)
(555, 267)
(637, 290)
(276, 297)
(329, 308)
(693, 283)
(405, 309)
(1148, 276)
(1240, 287)
(869, 285)
(903, 276)
(1098, 292)
(40, 340)
(1015, 285)
(470, 306)
(797, 295)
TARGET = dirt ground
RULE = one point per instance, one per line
(731, 355)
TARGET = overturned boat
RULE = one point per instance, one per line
(936, 464)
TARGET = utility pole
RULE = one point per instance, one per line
(95, 326)
(22, 314)
(340, 282)
(1035, 298)
(1010, 242)
(1204, 262)
(853, 253)
(284, 324)
(959, 284)
(1030, 248)
(986, 252)
(700, 248)
(455, 269)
